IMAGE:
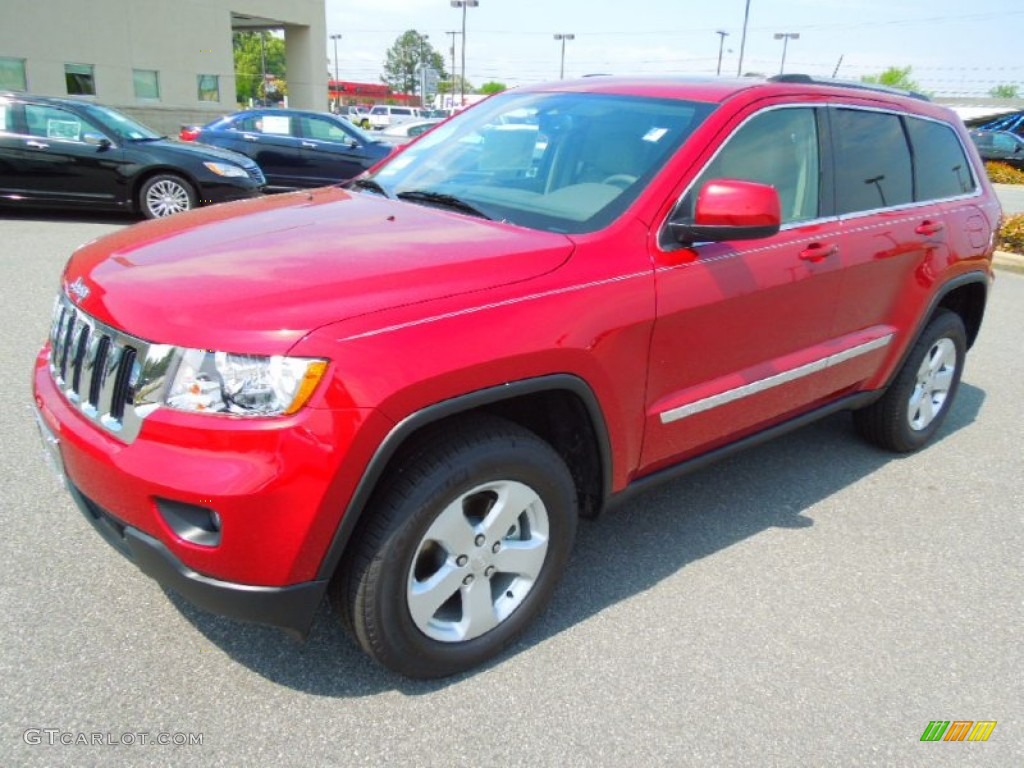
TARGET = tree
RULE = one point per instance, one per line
(1005, 92)
(410, 50)
(492, 87)
(894, 77)
(445, 86)
(249, 56)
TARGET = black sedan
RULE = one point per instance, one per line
(1000, 147)
(65, 152)
(296, 149)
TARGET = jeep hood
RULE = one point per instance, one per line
(258, 275)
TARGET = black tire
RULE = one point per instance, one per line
(428, 525)
(918, 399)
(166, 194)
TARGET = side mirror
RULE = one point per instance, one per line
(730, 209)
(96, 140)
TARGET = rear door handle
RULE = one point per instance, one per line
(930, 227)
(250, 137)
(36, 144)
(309, 144)
(816, 252)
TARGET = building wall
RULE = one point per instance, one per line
(180, 39)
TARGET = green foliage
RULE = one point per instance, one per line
(1001, 173)
(249, 57)
(409, 51)
(1007, 91)
(894, 77)
(1011, 234)
(492, 87)
(445, 86)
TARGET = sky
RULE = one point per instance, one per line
(953, 47)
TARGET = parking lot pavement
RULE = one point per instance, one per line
(811, 602)
(1011, 196)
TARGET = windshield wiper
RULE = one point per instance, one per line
(443, 200)
(369, 185)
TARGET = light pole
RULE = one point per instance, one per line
(785, 37)
(464, 4)
(563, 37)
(337, 98)
(453, 33)
(722, 34)
(263, 69)
(743, 40)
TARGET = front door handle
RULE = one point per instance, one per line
(816, 252)
(36, 144)
(309, 144)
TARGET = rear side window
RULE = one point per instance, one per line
(873, 168)
(940, 166)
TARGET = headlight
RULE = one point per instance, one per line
(244, 385)
(226, 169)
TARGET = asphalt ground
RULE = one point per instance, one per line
(810, 602)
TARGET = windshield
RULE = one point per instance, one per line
(121, 125)
(561, 162)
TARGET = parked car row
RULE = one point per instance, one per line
(57, 152)
(67, 153)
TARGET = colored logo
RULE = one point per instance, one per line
(958, 730)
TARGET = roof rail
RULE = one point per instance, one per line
(808, 80)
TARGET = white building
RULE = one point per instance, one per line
(167, 62)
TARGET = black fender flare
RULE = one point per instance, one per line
(452, 407)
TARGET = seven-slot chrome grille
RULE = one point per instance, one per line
(98, 369)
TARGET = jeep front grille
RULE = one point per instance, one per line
(100, 370)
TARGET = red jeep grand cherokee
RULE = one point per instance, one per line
(404, 393)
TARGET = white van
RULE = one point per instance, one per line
(383, 115)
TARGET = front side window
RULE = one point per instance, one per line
(80, 79)
(54, 123)
(147, 83)
(1004, 142)
(560, 162)
(323, 130)
(941, 169)
(12, 75)
(873, 167)
(208, 87)
(779, 148)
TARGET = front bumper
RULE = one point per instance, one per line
(291, 608)
(276, 487)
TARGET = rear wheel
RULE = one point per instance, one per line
(917, 401)
(461, 549)
(164, 195)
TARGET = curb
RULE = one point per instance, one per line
(1011, 262)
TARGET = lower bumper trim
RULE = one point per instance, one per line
(291, 608)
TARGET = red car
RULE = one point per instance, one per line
(404, 393)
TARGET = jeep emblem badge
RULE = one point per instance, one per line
(79, 290)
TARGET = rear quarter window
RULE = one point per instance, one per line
(941, 168)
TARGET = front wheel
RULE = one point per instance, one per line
(461, 549)
(918, 399)
(164, 195)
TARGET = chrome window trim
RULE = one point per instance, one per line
(763, 385)
(976, 193)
